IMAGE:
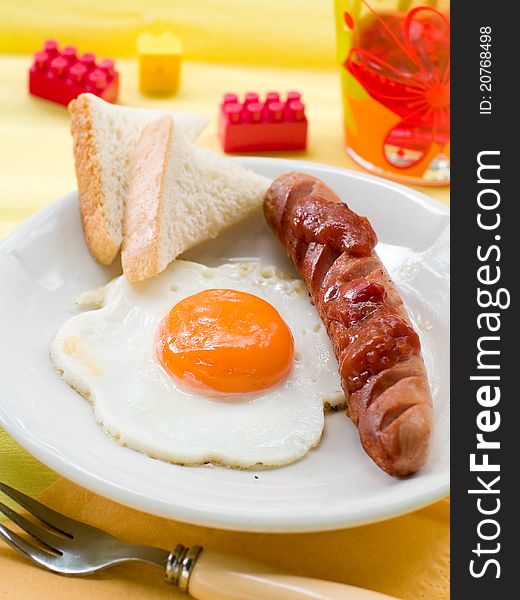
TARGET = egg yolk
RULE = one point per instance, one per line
(225, 342)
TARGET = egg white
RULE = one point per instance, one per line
(107, 355)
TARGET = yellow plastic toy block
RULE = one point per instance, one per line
(160, 58)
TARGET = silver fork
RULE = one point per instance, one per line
(69, 547)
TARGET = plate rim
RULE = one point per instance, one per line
(406, 190)
(410, 192)
(373, 512)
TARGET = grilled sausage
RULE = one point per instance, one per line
(378, 351)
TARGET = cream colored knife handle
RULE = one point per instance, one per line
(220, 577)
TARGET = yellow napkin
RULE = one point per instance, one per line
(407, 557)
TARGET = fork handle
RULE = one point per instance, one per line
(221, 577)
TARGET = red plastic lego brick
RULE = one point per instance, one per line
(62, 75)
(255, 126)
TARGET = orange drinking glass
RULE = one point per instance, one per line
(394, 58)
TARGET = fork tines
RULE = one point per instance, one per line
(50, 538)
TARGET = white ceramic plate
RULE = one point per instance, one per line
(45, 264)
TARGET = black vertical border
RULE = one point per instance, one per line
(471, 134)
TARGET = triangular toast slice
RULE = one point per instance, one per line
(179, 196)
(104, 135)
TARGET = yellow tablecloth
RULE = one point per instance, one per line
(289, 33)
(406, 557)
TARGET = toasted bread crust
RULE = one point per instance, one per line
(143, 220)
(102, 243)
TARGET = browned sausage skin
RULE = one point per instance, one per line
(378, 351)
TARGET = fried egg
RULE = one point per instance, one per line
(229, 365)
